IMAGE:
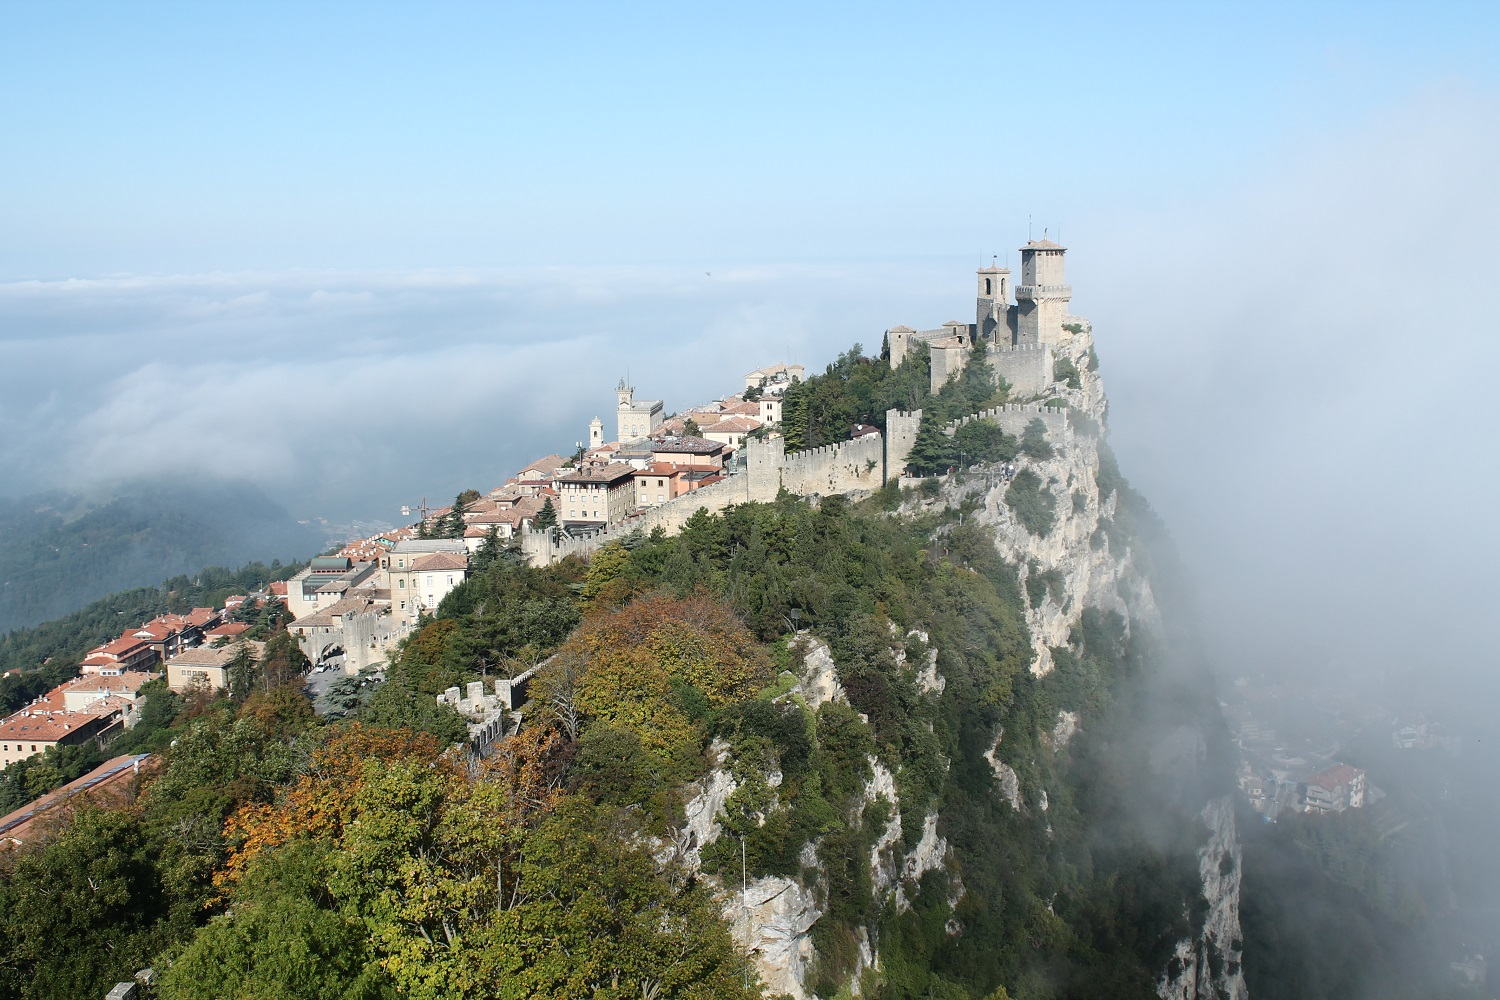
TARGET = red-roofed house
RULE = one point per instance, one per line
(126, 653)
(1334, 789)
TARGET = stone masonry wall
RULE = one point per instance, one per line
(1013, 418)
(548, 545)
(1027, 369)
(836, 468)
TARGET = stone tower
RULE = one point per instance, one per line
(596, 433)
(900, 435)
(992, 301)
(625, 394)
(1043, 294)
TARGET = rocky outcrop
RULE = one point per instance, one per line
(772, 920)
(819, 680)
(1208, 966)
(705, 800)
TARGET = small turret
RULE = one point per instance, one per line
(596, 433)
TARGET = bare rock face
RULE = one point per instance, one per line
(1005, 775)
(819, 683)
(772, 920)
(1208, 967)
(701, 811)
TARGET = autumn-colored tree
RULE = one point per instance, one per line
(283, 710)
(653, 664)
(322, 801)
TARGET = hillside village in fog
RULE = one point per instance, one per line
(640, 470)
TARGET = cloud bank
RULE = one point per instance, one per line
(349, 393)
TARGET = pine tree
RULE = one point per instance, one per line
(546, 517)
(932, 452)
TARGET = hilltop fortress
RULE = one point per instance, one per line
(1022, 335)
(1023, 339)
(353, 607)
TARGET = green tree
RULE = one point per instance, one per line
(398, 704)
(547, 516)
(281, 938)
(691, 429)
(932, 452)
(1034, 505)
(78, 911)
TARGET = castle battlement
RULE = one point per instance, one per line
(1013, 419)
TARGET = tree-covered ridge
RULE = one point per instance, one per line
(67, 639)
(63, 551)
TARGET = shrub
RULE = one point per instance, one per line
(1063, 370)
(1035, 507)
(1034, 440)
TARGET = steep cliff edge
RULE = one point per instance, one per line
(1077, 809)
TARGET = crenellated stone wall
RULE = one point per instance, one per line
(863, 463)
(1014, 417)
(836, 468)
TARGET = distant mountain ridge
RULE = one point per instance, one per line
(63, 550)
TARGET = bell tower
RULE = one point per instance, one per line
(991, 302)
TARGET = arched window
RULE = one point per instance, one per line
(987, 290)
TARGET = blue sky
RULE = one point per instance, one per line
(159, 137)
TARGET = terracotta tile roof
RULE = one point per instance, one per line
(1338, 774)
(278, 588)
(44, 726)
(120, 646)
(439, 561)
(107, 783)
(546, 466)
(733, 425)
(215, 656)
(686, 446)
(127, 683)
(227, 629)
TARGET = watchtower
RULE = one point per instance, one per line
(596, 433)
(625, 394)
(991, 302)
(1042, 296)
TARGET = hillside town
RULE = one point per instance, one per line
(348, 609)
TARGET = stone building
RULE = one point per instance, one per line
(635, 418)
(1042, 296)
(597, 497)
(1019, 337)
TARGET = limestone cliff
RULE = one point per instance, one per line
(1085, 562)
